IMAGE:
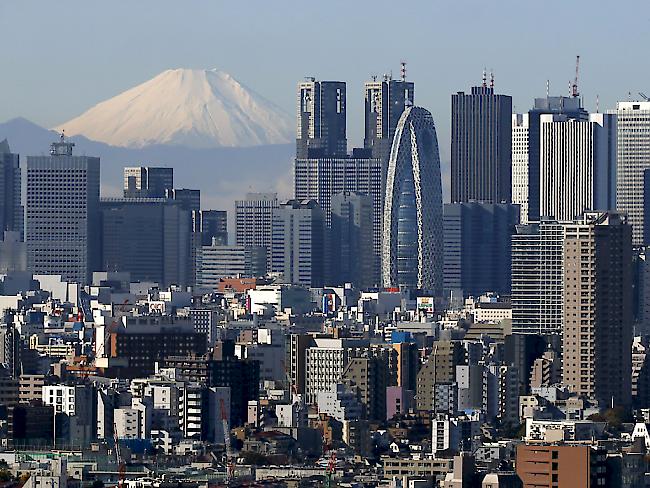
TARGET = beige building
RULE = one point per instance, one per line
(597, 338)
(440, 368)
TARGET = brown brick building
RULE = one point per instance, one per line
(560, 466)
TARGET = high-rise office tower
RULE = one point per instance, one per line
(519, 173)
(189, 200)
(598, 322)
(385, 101)
(577, 161)
(481, 146)
(10, 206)
(148, 237)
(526, 150)
(351, 240)
(147, 181)
(537, 278)
(633, 138)
(320, 178)
(321, 119)
(209, 225)
(254, 221)
(412, 245)
(62, 229)
(297, 243)
(477, 239)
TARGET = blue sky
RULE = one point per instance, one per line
(59, 58)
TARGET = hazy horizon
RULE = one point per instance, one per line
(75, 54)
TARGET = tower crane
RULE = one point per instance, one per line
(226, 438)
(574, 85)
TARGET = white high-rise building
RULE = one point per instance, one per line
(520, 164)
(253, 221)
(633, 157)
(577, 165)
(62, 224)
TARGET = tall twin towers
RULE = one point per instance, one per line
(398, 168)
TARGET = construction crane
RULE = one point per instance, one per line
(121, 466)
(230, 468)
(574, 86)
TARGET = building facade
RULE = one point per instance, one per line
(298, 243)
(321, 119)
(62, 229)
(598, 321)
(481, 146)
(537, 278)
(254, 221)
(351, 240)
(477, 247)
(412, 245)
(633, 137)
(147, 237)
(147, 181)
(577, 165)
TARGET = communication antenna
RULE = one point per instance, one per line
(597, 103)
(491, 79)
(484, 78)
(548, 88)
(403, 70)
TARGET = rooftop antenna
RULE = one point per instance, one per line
(491, 79)
(597, 103)
(574, 86)
(62, 136)
(548, 88)
(484, 78)
(403, 70)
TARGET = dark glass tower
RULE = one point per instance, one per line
(481, 146)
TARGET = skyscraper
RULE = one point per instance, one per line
(481, 146)
(633, 138)
(62, 214)
(254, 221)
(320, 178)
(351, 240)
(148, 237)
(297, 243)
(385, 101)
(598, 322)
(189, 200)
(537, 278)
(412, 246)
(147, 181)
(526, 150)
(577, 161)
(10, 207)
(477, 239)
(209, 225)
(321, 119)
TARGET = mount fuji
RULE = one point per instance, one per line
(194, 108)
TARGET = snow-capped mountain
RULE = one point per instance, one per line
(186, 107)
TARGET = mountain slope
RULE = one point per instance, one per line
(186, 107)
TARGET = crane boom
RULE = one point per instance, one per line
(574, 87)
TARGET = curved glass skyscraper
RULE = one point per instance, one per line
(412, 246)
